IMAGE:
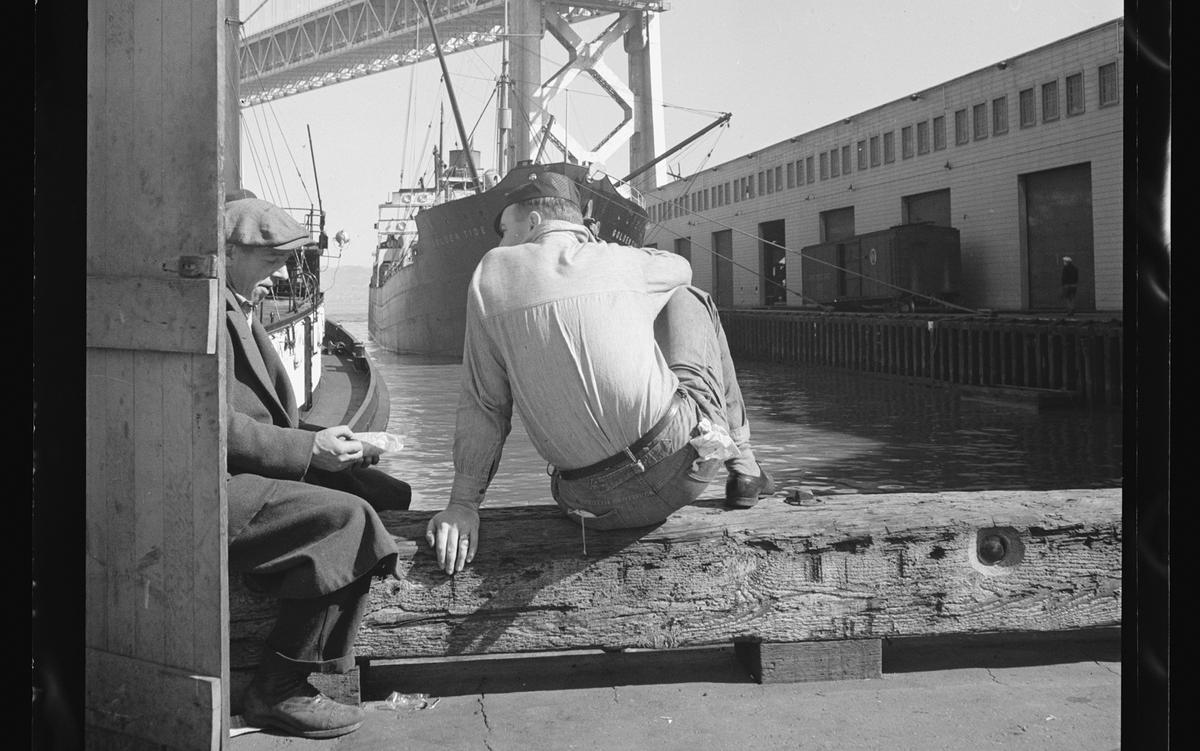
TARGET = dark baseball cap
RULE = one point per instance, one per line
(256, 223)
(540, 185)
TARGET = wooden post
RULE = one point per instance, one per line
(158, 140)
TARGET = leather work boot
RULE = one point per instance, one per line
(743, 491)
(287, 702)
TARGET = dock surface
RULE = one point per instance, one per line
(1053, 693)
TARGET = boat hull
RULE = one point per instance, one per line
(421, 308)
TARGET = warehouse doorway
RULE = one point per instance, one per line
(1057, 217)
(722, 268)
(774, 262)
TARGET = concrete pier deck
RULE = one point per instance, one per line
(1052, 692)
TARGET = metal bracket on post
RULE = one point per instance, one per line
(192, 267)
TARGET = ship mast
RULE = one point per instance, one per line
(503, 112)
(462, 130)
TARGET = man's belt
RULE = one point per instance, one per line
(629, 454)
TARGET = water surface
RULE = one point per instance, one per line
(812, 426)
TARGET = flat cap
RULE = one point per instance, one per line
(540, 185)
(256, 223)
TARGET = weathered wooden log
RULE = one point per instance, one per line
(846, 567)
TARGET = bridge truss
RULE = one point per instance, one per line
(355, 38)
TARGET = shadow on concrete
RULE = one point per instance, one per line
(458, 676)
(467, 675)
(1000, 650)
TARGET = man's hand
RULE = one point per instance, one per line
(454, 535)
(335, 449)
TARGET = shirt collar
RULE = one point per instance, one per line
(559, 225)
(246, 306)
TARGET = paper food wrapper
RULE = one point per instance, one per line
(713, 442)
(375, 444)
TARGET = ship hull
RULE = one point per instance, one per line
(421, 308)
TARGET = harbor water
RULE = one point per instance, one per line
(814, 427)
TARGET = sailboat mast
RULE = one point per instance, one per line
(503, 112)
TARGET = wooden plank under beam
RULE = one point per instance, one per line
(135, 699)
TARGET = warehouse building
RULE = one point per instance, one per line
(1024, 158)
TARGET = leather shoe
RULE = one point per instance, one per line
(743, 491)
(287, 702)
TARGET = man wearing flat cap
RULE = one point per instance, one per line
(303, 525)
(619, 369)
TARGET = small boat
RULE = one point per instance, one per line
(334, 380)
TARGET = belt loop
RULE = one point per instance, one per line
(637, 463)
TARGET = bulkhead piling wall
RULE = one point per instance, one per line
(1081, 357)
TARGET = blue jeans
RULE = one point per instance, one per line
(690, 336)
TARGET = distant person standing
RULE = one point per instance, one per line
(1070, 283)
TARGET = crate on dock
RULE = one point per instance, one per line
(902, 268)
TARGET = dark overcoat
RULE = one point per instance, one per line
(294, 530)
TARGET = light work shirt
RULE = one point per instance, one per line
(562, 327)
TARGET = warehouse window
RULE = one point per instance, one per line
(779, 177)
(750, 187)
(874, 151)
(889, 147)
(762, 184)
(1027, 107)
(1108, 84)
(1075, 94)
(824, 165)
(770, 181)
(906, 142)
(1049, 101)
(1000, 115)
(923, 137)
(791, 174)
(808, 170)
(939, 132)
(846, 159)
(979, 121)
(961, 134)
(834, 167)
(861, 146)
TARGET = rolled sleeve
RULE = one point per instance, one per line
(484, 416)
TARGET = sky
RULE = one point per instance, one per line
(780, 67)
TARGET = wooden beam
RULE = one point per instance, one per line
(848, 567)
(140, 313)
(135, 699)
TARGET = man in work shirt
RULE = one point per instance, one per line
(302, 523)
(619, 368)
